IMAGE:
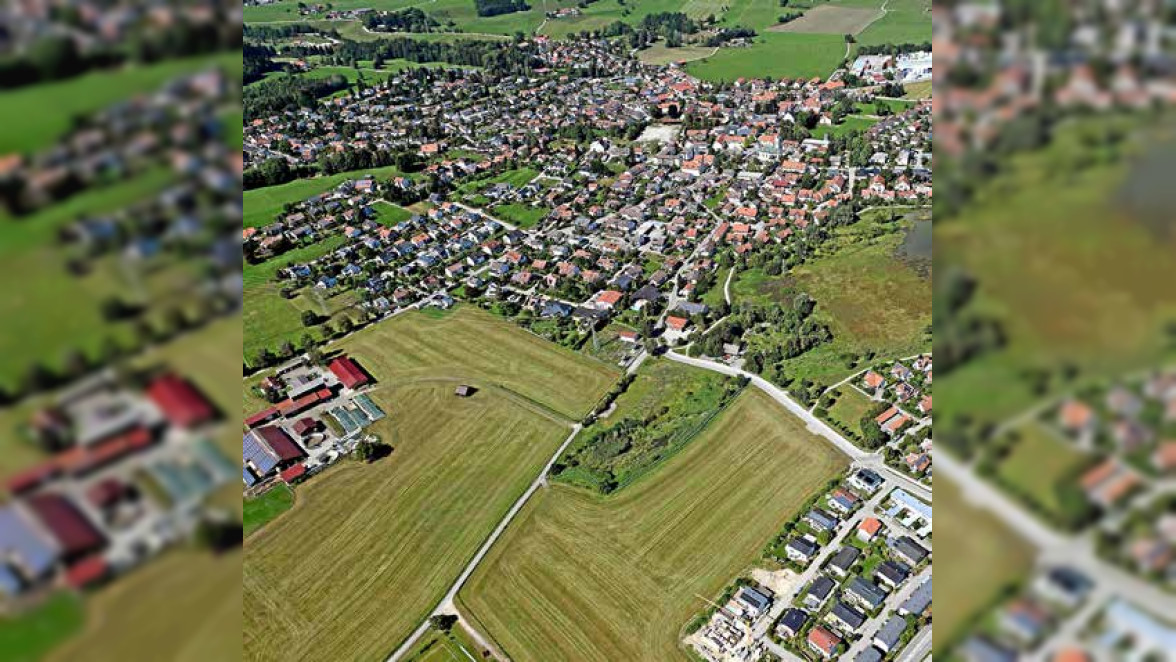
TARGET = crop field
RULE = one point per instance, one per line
(773, 54)
(986, 558)
(472, 346)
(660, 54)
(579, 576)
(369, 550)
(831, 19)
(905, 22)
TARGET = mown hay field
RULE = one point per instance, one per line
(584, 577)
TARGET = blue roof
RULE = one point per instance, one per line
(258, 454)
(10, 584)
(250, 481)
(19, 538)
(369, 408)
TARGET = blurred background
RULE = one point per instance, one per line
(1055, 323)
(120, 216)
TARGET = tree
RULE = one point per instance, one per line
(309, 318)
(443, 622)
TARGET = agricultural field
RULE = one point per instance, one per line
(774, 54)
(1038, 463)
(831, 19)
(319, 582)
(469, 345)
(567, 579)
(660, 54)
(261, 510)
(921, 90)
(436, 646)
(987, 559)
(904, 22)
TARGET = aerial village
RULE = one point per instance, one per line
(852, 580)
(636, 185)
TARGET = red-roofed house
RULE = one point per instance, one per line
(823, 642)
(74, 534)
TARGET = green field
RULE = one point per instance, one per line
(921, 90)
(370, 549)
(660, 54)
(774, 54)
(436, 646)
(848, 125)
(390, 214)
(850, 407)
(1038, 462)
(32, 635)
(35, 116)
(471, 346)
(872, 299)
(522, 215)
(261, 510)
(986, 558)
(905, 22)
(262, 205)
(579, 576)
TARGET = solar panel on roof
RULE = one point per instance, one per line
(258, 454)
(246, 476)
(18, 537)
(10, 584)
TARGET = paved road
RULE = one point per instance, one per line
(727, 286)
(815, 425)
(1054, 547)
(447, 606)
(870, 627)
(918, 649)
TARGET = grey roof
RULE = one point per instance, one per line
(848, 615)
(919, 600)
(895, 571)
(794, 619)
(753, 597)
(909, 548)
(891, 631)
(821, 587)
(845, 557)
(867, 591)
(981, 649)
(871, 654)
(21, 539)
(803, 545)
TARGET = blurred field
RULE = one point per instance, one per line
(983, 559)
(584, 577)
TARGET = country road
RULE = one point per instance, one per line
(447, 605)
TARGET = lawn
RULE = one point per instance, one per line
(660, 54)
(579, 576)
(831, 19)
(262, 205)
(31, 635)
(369, 550)
(1038, 462)
(905, 22)
(472, 346)
(848, 125)
(261, 510)
(390, 214)
(774, 54)
(920, 90)
(986, 558)
(850, 407)
(34, 116)
(522, 215)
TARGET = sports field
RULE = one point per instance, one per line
(369, 550)
(579, 576)
(469, 345)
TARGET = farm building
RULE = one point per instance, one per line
(348, 372)
(75, 536)
(179, 401)
(265, 450)
(464, 391)
(26, 555)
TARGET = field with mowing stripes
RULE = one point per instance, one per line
(584, 577)
(368, 550)
(469, 345)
